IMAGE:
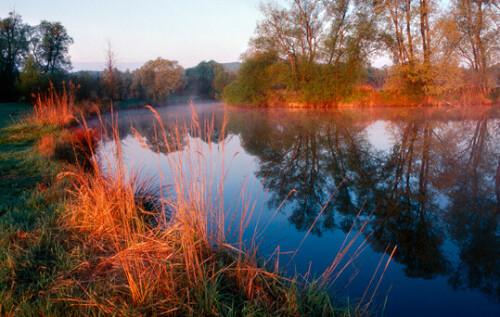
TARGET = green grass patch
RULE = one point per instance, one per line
(33, 256)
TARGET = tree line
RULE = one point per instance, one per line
(34, 57)
(156, 81)
(318, 52)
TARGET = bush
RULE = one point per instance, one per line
(255, 80)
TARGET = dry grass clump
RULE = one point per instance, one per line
(52, 108)
(166, 259)
(171, 266)
(75, 146)
(60, 109)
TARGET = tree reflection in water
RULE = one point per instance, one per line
(437, 184)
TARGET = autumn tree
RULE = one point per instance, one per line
(109, 76)
(159, 78)
(474, 32)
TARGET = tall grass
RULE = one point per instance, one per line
(180, 261)
(168, 246)
(187, 254)
(53, 108)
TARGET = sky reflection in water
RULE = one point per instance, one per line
(423, 178)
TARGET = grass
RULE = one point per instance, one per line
(82, 237)
(32, 256)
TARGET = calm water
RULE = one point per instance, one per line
(422, 178)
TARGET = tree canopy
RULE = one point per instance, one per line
(157, 79)
(323, 49)
(28, 51)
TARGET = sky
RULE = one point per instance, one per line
(188, 31)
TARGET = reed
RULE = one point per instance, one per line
(168, 245)
(53, 108)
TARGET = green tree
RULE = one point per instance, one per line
(31, 80)
(52, 49)
(253, 83)
(221, 80)
(200, 78)
(320, 48)
(207, 79)
(14, 47)
(89, 85)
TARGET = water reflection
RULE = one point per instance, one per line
(436, 183)
(432, 190)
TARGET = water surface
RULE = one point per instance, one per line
(423, 179)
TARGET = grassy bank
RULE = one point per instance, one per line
(33, 255)
(77, 240)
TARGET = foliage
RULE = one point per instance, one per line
(31, 80)
(52, 47)
(323, 48)
(472, 35)
(38, 54)
(221, 80)
(89, 85)
(254, 81)
(14, 47)
(207, 79)
(319, 49)
(159, 78)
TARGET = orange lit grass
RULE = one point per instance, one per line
(53, 108)
(179, 258)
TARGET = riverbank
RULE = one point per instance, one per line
(360, 96)
(80, 241)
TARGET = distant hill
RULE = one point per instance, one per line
(233, 67)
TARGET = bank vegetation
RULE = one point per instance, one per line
(318, 53)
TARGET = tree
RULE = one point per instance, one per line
(199, 78)
(208, 79)
(221, 80)
(53, 48)
(320, 46)
(349, 39)
(475, 34)
(109, 76)
(404, 23)
(292, 34)
(160, 77)
(31, 79)
(89, 85)
(254, 81)
(14, 47)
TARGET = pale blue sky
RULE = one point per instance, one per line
(188, 31)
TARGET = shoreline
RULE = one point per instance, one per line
(93, 259)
